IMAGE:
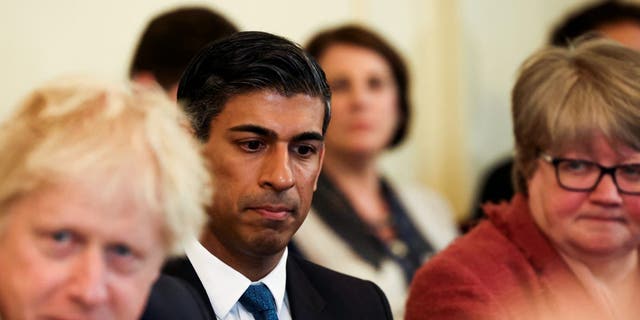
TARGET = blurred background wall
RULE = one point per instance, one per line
(463, 57)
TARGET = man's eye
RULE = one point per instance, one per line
(121, 250)
(59, 243)
(62, 236)
(305, 150)
(123, 258)
(252, 145)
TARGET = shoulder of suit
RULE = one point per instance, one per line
(319, 274)
(175, 264)
(173, 298)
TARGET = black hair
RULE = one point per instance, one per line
(246, 62)
(590, 18)
(172, 38)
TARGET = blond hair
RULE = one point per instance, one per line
(563, 95)
(78, 127)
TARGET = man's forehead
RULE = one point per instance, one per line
(274, 95)
(272, 110)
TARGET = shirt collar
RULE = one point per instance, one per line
(276, 280)
(224, 285)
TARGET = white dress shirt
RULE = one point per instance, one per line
(225, 286)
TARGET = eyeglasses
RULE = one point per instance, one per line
(584, 176)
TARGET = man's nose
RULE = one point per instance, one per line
(277, 173)
(89, 278)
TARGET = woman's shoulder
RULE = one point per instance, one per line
(481, 273)
(483, 249)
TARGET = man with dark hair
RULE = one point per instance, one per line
(171, 39)
(260, 106)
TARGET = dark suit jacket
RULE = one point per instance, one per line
(173, 298)
(314, 292)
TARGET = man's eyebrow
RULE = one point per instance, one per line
(309, 135)
(261, 131)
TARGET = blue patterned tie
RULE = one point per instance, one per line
(259, 301)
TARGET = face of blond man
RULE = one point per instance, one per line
(67, 252)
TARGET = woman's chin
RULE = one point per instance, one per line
(604, 244)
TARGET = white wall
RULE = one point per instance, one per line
(41, 39)
(497, 36)
(463, 56)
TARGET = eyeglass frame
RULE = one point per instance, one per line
(603, 170)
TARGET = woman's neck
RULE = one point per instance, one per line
(358, 179)
(614, 283)
(355, 167)
(610, 269)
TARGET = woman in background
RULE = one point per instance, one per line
(362, 224)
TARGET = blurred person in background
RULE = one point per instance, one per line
(566, 246)
(100, 183)
(360, 223)
(169, 42)
(616, 20)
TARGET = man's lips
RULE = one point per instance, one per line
(273, 212)
(60, 317)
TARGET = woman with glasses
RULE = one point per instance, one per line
(566, 246)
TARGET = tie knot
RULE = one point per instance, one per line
(259, 301)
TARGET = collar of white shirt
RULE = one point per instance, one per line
(225, 285)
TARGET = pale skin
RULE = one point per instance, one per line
(265, 152)
(625, 32)
(365, 116)
(597, 232)
(68, 252)
(147, 79)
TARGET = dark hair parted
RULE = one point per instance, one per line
(591, 18)
(246, 62)
(172, 38)
(362, 37)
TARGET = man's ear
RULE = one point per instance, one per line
(315, 183)
(173, 92)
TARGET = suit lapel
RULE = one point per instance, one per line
(183, 269)
(305, 302)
